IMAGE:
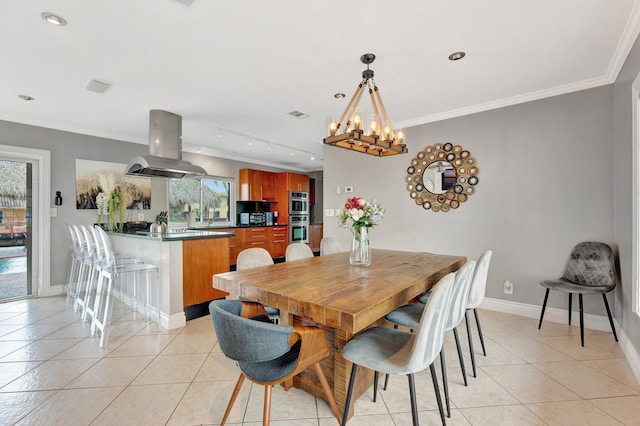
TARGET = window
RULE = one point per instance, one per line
(210, 198)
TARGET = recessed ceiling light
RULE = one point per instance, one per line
(26, 98)
(456, 56)
(53, 19)
(313, 157)
(291, 153)
(339, 95)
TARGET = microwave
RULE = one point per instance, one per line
(252, 219)
(298, 203)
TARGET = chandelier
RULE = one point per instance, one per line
(379, 138)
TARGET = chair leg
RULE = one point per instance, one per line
(386, 382)
(581, 320)
(445, 381)
(434, 379)
(544, 305)
(266, 412)
(470, 338)
(606, 305)
(570, 299)
(327, 390)
(347, 401)
(234, 395)
(375, 385)
(412, 394)
(475, 313)
(460, 357)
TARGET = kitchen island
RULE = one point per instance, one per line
(187, 260)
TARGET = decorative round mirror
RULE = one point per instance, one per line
(441, 177)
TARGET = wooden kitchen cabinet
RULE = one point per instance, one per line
(256, 238)
(278, 240)
(256, 185)
(297, 182)
(201, 259)
(315, 236)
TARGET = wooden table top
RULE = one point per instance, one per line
(331, 292)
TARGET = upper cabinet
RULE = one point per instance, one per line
(297, 182)
(256, 185)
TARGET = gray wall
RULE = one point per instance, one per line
(65, 148)
(623, 189)
(545, 184)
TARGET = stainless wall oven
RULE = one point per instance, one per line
(298, 228)
(298, 203)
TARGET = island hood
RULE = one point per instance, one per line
(165, 150)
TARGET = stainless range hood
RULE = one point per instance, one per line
(165, 150)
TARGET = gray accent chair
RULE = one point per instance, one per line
(392, 351)
(267, 354)
(592, 268)
(409, 316)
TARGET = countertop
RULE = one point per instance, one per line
(176, 235)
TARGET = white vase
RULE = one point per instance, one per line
(360, 254)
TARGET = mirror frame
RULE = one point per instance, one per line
(466, 177)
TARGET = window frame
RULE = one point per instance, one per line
(200, 220)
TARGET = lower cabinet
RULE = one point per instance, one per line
(201, 259)
(274, 239)
(278, 240)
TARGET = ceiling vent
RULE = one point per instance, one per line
(299, 115)
(98, 86)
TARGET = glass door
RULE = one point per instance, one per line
(16, 214)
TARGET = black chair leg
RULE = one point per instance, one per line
(570, 299)
(470, 338)
(581, 320)
(434, 379)
(347, 402)
(386, 382)
(412, 394)
(544, 305)
(606, 305)
(375, 385)
(445, 381)
(475, 313)
(460, 357)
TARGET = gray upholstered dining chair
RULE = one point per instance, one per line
(476, 295)
(409, 316)
(392, 351)
(267, 354)
(329, 245)
(297, 251)
(253, 258)
(592, 268)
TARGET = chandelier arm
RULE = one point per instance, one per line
(375, 111)
(348, 108)
(354, 108)
(387, 122)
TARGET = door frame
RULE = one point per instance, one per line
(41, 226)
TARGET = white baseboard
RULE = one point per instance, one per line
(173, 321)
(594, 322)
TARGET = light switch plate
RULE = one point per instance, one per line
(337, 189)
(329, 213)
(348, 189)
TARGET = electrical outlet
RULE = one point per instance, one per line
(329, 213)
(348, 189)
(140, 217)
(508, 287)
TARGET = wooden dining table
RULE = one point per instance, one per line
(341, 299)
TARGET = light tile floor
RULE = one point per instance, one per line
(52, 372)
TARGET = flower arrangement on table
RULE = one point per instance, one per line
(108, 201)
(359, 215)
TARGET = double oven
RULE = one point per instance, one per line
(298, 217)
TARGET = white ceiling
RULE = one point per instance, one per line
(242, 65)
